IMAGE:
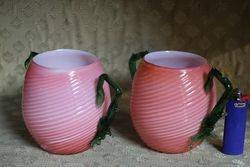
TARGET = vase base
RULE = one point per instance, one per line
(69, 151)
(180, 150)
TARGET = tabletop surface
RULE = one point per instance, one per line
(124, 148)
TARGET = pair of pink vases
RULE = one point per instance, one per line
(66, 107)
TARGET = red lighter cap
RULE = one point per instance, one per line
(245, 97)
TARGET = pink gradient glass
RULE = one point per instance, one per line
(64, 99)
(168, 100)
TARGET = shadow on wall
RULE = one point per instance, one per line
(218, 31)
(236, 65)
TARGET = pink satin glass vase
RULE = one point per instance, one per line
(59, 100)
(168, 100)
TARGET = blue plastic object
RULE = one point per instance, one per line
(235, 127)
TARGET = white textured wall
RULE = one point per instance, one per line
(113, 29)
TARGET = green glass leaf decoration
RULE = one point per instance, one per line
(100, 93)
(132, 62)
(27, 61)
(217, 112)
(209, 83)
(103, 127)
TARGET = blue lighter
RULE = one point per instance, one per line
(235, 126)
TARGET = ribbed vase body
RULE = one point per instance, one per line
(59, 107)
(168, 105)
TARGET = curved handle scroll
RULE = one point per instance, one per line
(132, 61)
(27, 61)
(105, 122)
(210, 121)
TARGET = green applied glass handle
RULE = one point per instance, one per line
(217, 112)
(132, 61)
(27, 61)
(104, 123)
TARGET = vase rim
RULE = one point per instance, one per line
(65, 59)
(175, 60)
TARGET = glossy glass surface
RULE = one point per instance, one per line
(168, 100)
(59, 100)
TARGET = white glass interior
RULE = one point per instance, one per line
(64, 59)
(175, 59)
